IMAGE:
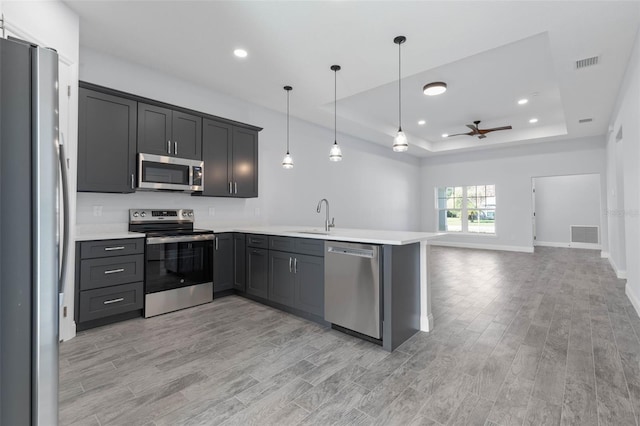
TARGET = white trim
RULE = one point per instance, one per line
(621, 274)
(522, 249)
(568, 245)
(632, 298)
(604, 254)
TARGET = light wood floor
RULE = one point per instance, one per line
(544, 338)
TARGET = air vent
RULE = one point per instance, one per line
(585, 120)
(584, 234)
(586, 62)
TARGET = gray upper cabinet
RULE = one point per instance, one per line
(223, 267)
(163, 131)
(106, 142)
(230, 155)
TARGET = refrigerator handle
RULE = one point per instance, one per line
(65, 210)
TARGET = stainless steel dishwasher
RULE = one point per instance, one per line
(352, 287)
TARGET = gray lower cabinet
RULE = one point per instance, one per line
(109, 281)
(239, 264)
(281, 278)
(257, 279)
(223, 267)
(106, 142)
(309, 285)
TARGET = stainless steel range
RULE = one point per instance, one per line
(178, 260)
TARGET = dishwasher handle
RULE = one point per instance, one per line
(348, 251)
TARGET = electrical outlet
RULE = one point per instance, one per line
(212, 211)
(97, 211)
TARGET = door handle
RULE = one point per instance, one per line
(133, 184)
(235, 184)
(169, 147)
(230, 189)
(175, 147)
(108, 302)
(216, 240)
(114, 248)
(290, 264)
(295, 265)
(113, 271)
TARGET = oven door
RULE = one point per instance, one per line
(162, 172)
(171, 265)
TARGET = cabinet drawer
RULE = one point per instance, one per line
(109, 301)
(281, 243)
(108, 248)
(309, 246)
(258, 241)
(97, 273)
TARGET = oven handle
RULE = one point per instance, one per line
(180, 239)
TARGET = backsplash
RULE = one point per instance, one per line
(110, 209)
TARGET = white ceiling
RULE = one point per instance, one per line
(490, 53)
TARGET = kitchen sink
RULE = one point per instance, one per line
(313, 232)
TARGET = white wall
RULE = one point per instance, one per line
(623, 161)
(371, 188)
(563, 201)
(53, 24)
(511, 170)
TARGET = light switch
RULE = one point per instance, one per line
(97, 211)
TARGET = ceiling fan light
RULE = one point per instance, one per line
(287, 161)
(400, 143)
(435, 88)
(335, 154)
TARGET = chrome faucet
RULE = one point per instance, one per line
(327, 225)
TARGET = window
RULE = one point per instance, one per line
(467, 209)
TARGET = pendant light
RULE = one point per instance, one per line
(336, 153)
(400, 143)
(287, 161)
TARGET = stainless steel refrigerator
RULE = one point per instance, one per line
(29, 234)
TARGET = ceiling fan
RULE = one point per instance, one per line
(475, 131)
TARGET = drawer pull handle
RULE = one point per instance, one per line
(113, 271)
(114, 248)
(108, 302)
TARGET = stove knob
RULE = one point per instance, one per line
(143, 214)
(135, 214)
(190, 214)
(184, 214)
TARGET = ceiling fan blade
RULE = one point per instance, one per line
(481, 136)
(460, 134)
(472, 127)
(495, 129)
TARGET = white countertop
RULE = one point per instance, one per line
(104, 232)
(371, 236)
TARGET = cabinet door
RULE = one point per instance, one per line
(239, 242)
(186, 136)
(309, 288)
(154, 130)
(258, 272)
(106, 142)
(216, 149)
(244, 160)
(223, 262)
(281, 278)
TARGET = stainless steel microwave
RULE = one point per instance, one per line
(162, 172)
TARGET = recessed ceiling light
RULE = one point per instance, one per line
(533, 120)
(445, 135)
(523, 101)
(435, 88)
(240, 53)
(422, 122)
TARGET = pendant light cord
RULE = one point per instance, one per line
(335, 106)
(288, 122)
(399, 88)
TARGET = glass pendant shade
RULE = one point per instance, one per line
(287, 161)
(336, 153)
(400, 143)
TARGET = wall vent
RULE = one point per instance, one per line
(586, 62)
(585, 120)
(584, 234)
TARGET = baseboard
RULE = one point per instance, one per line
(632, 298)
(604, 254)
(568, 245)
(621, 274)
(522, 249)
